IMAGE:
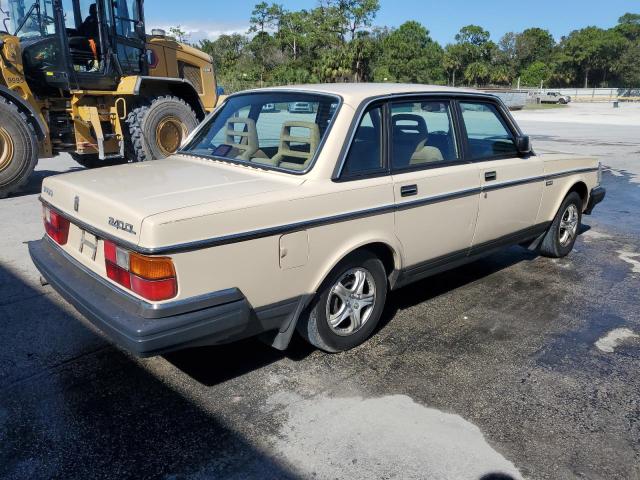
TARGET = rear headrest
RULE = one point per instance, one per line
(247, 136)
(412, 124)
(308, 134)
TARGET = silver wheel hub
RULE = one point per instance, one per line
(568, 225)
(351, 301)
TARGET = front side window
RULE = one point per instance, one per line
(281, 130)
(365, 153)
(487, 133)
(422, 134)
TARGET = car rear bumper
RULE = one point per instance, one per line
(595, 197)
(137, 326)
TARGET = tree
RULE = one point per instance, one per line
(179, 34)
(453, 61)
(533, 45)
(591, 50)
(535, 74)
(628, 66)
(477, 73)
(473, 34)
(410, 55)
(629, 26)
(472, 54)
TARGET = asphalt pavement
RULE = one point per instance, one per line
(515, 366)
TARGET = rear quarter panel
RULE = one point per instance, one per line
(254, 266)
(553, 194)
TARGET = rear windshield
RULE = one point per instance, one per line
(273, 130)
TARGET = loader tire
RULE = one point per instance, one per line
(156, 129)
(18, 148)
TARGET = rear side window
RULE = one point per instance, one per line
(487, 133)
(422, 134)
(365, 154)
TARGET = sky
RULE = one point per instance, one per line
(443, 18)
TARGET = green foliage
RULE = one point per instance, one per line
(336, 41)
(408, 54)
(535, 74)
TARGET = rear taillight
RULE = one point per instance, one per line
(56, 226)
(153, 278)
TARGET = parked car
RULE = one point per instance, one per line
(235, 236)
(300, 107)
(269, 107)
(554, 97)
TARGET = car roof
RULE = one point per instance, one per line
(355, 93)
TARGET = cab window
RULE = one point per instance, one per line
(487, 133)
(422, 134)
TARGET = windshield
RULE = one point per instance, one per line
(31, 19)
(271, 129)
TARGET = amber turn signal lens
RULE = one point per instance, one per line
(151, 268)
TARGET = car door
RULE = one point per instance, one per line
(511, 183)
(436, 191)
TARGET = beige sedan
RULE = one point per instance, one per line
(272, 219)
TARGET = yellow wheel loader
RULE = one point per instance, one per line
(83, 76)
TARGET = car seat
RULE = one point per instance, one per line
(247, 144)
(295, 151)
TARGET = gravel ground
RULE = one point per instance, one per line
(514, 365)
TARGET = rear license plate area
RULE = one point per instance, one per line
(88, 245)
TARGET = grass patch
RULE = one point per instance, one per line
(544, 106)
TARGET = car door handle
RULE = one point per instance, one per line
(490, 176)
(408, 190)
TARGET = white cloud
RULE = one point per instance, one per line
(201, 31)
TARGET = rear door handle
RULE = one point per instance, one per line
(408, 190)
(490, 176)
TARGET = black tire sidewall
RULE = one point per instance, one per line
(158, 110)
(333, 341)
(560, 250)
(25, 149)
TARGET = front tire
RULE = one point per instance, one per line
(348, 305)
(157, 129)
(562, 234)
(18, 149)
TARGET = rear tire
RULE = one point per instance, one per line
(562, 234)
(341, 296)
(18, 149)
(157, 129)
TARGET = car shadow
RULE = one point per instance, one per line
(72, 406)
(239, 358)
(442, 283)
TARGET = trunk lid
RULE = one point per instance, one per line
(117, 199)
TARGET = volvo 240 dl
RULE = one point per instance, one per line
(272, 220)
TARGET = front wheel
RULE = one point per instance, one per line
(348, 305)
(562, 233)
(157, 129)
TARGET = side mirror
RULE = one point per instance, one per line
(523, 144)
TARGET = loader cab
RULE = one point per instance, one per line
(79, 44)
